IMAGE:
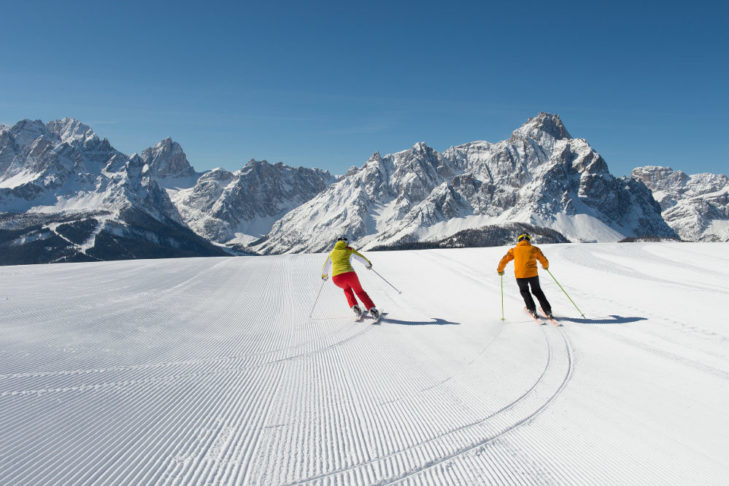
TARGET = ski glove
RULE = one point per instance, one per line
(501, 273)
(324, 277)
(369, 266)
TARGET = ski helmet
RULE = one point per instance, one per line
(524, 236)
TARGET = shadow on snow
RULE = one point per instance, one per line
(614, 319)
(436, 321)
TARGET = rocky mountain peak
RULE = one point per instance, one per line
(420, 147)
(70, 130)
(259, 165)
(167, 159)
(542, 124)
(26, 131)
(695, 206)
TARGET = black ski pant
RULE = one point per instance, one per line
(533, 282)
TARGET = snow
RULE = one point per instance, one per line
(18, 179)
(574, 225)
(210, 371)
(719, 228)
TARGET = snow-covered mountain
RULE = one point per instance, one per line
(168, 165)
(66, 195)
(540, 176)
(238, 207)
(695, 206)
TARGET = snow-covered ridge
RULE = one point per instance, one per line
(67, 195)
(240, 207)
(540, 176)
(62, 168)
(695, 206)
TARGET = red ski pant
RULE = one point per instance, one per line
(350, 284)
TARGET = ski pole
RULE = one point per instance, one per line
(383, 278)
(565, 293)
(502, 295)
(317, 297)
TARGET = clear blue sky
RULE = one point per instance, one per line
(325, 84)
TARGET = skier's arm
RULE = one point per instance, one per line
(361, 258)
(504, 260)
(325, 268)
(542, 259)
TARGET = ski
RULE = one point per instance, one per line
(378, 318)
(535, 318)
(552, 319)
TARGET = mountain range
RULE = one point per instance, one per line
(67, 195)
(695, 206)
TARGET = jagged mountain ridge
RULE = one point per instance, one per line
(695, 206)
(65, 186)
(80, 189)
(238, 207)
(66, 195)
(231, 208)
(540, 176)
(167, 163)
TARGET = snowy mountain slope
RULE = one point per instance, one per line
(208, 371)
(539, 176)
(240, 207)
(496, 235)
(61, 175)
(696, 206)
(232, 208)
(64, 172)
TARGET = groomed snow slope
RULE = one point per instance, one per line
(209, 371)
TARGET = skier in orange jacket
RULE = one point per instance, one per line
(344, 276)
(525, 258)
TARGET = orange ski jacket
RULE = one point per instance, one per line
(525, 258)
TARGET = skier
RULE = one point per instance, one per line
(525, 258)
(344, 277)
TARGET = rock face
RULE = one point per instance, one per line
(66, 195)
(240, 207)
(540, 176)
(167, 163)
(487, 236)
(696, 206)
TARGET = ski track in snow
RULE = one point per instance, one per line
(208, 371)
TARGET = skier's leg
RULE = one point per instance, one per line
(523, 284)
(343, 282)
(366, 301)
(539, 294)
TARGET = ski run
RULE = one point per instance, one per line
(210, 371)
